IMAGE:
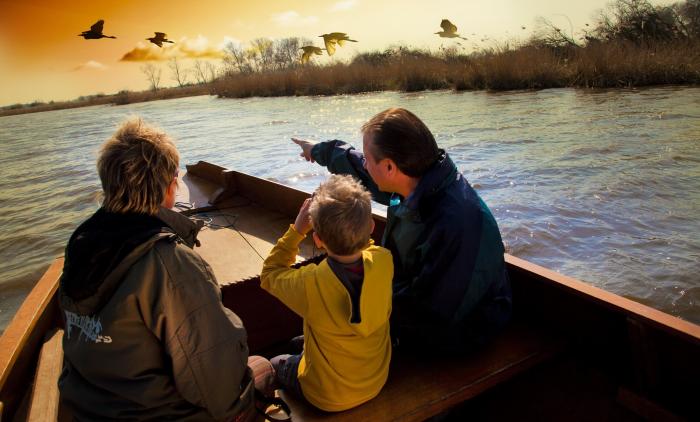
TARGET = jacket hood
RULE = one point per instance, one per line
(104, 247)
(374, 296)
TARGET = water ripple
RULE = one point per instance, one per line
(602, 185)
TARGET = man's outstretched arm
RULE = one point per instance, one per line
(341, 158)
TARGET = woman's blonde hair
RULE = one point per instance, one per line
(136, 166)
(341, 214)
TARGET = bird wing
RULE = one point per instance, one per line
(338, 35)
(317, 50)
(161, 35)
(330, 48)
(448, 26)
(97, 27)
(330, 44)
(305, 57)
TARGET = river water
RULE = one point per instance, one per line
(603, 186)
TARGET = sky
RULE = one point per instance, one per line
(43, 59)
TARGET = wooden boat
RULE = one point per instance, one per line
(573, 351)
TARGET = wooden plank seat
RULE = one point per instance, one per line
(44, 401)
(419, 388)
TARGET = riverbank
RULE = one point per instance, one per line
(120, 98)
(620, 64)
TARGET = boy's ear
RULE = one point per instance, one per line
(317, 241)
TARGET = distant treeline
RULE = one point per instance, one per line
(633, 43)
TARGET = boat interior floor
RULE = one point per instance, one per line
(238, 234)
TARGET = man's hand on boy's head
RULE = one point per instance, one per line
(306, 147)
(303, 222)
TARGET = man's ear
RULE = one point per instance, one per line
(390, 166)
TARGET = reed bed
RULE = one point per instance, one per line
(613, 64)
(609, 65)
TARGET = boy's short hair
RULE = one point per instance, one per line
(341, 214)
(136, 166)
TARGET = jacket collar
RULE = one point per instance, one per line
(182, 226)
(441, 174)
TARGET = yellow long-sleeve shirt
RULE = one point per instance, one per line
(344, 364)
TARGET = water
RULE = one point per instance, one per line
(603, 186)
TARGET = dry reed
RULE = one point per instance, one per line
(596, 65)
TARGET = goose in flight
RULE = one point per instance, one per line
(449, 30)
(95, 32)
(332, 38)
(159, 39)
(308, 51)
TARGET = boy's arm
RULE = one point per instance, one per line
(285, 283)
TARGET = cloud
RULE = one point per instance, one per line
(198, 48)
(292, 18)
(344, 5)
(90, 65)
(184, 48)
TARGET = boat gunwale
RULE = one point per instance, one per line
(657, 318)
(27, 318)
(629, 307)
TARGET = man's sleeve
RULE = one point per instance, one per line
(342, 158)
(206, 342)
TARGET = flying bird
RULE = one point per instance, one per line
(449, 30)
(332, 38)
(159, 39)
(95, 32)
(308, 51)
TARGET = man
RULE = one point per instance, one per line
(146, 335)
(451, 289)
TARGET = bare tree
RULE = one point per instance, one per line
(179, 74)
(287, 52)
(200, 72)
(265, 53)
(211, 70)
(236, 58)
(153, 75)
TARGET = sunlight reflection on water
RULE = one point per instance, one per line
(599, 185)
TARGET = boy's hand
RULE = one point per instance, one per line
(306, 147)
(303, 222)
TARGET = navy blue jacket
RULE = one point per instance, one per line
(451, 289)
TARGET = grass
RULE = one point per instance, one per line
(611, 64)
(120, 98)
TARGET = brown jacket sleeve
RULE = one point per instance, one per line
(206, 342)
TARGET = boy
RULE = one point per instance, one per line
(345, 300)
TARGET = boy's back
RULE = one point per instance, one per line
(346, 303)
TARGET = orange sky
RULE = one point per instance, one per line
(42, 58)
